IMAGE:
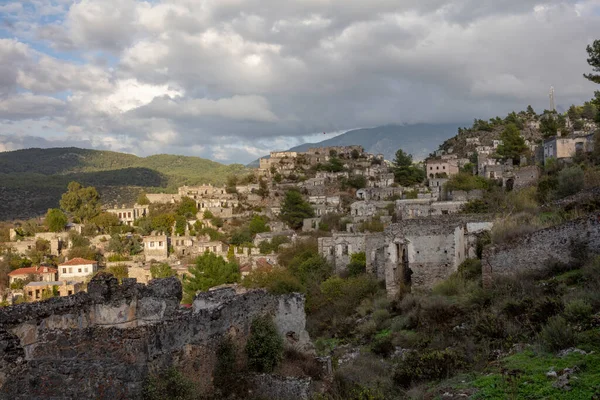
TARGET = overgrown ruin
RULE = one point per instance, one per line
(105, 343)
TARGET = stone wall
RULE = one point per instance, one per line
(423, 251)
(537, 250)
(104, 343)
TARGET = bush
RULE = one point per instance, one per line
(382, 345)
(427, 365)
(357, 265)
(470, 269)
(578, 311)
(452, 286)
(265, 346)
(557, 335)
(570, 181)
(171, 385)
(276, 281)
(224, 374)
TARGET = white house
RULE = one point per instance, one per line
(76, 269)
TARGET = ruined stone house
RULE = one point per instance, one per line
(156, 247)
(422, 252)
(105, 343)
(338, 248)
(128, 215)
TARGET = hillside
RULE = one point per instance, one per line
(32, 180)
(418, 140)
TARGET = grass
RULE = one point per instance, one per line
(531, 381)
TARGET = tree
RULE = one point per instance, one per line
(530, 111)
(163, 222)
(210, 270)
(295, 209)
(593, 51)
(402, 159)
(82, 202)
(162, 270)
(119, 271)
(589, 111)
(549, 125)
(258, 224)
(187, 207)
(513, 145)
(264, 347)
(104, 221)
(56, 220)
(142, 199)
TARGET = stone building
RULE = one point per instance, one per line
(338, 248)
(415, 208)
(441, 168)
(77, 269)
(163, 198)
(421, 252)
(35, 290)
(183, 245)
(561, 148)
(156, 247)
(45, 274)
(369, 208)
(128, 215)
(379, 194)
(216, 247)
(104, 344)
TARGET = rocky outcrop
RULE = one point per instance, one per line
(104, 343)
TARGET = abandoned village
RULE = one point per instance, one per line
(100, 295)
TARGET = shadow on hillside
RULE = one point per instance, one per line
(28, 195)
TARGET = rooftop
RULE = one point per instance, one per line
(78, 261)
(33, 270)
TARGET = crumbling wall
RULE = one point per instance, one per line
(562, 243)
(104, 343)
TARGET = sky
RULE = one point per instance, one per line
(230, 80)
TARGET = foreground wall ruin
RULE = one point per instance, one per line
(104, 343)
(562, 243)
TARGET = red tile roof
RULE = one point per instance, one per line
(246, 267)
(33, 270)
(78, 261)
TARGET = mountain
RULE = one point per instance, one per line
(418, 139)
(32, 180)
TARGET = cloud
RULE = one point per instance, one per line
(27, 105)
(230, 79)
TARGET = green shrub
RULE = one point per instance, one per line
(470, 269)
(382, 345)
(427, 365)
(437, 311)
(224, 374)
(276, 281)
(570, 181)
(557, 335)
(265, 346)
(170, 385)
(381, 317)
(578, 311)
(452, 286)
(357, 265)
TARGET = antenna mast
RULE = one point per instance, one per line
(552, 102)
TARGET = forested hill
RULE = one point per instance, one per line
(32, 180)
